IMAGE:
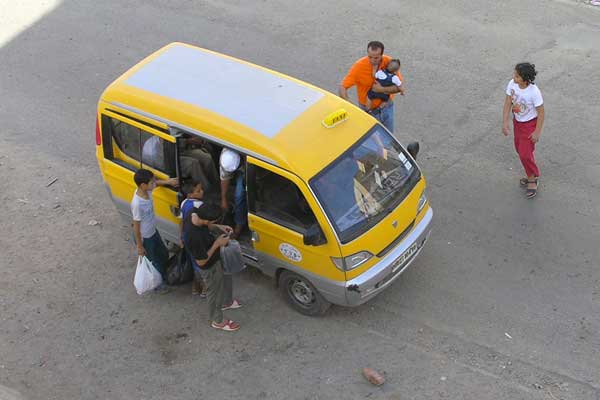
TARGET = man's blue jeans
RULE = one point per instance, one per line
(240, 209)
(385, 115)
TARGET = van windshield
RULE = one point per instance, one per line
(365, 183)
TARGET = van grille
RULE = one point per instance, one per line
(397, 240)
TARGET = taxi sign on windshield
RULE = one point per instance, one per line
(335, 118)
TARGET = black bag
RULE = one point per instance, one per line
(180, 269)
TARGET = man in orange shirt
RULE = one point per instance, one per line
(362, 75)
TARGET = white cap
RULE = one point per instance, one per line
(229, 160)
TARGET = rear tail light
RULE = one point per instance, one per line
(353, 261)
(98, 135)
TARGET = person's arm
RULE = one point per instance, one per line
(506, 115)
(219, 242)
(181, 233)
(377, 88)
(137, 232)
(173, 182)
(535, 136)
(196, 220)
(224, 189)
(343, 92)
(348, 81)
(223, 228)
(396, 80)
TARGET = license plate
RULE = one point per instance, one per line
(404, 256)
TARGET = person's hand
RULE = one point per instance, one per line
(535, 136)
(505, 129)
(173, 182)
(227, 229)
(141, 251)
(377, 88)
(181, 243)
(222, 240)
(401, 90)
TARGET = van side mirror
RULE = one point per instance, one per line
(413, 149)
(314, 236)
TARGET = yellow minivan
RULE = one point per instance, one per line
(336, 205)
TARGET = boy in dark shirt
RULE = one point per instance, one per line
(193, 200)
(205, 251)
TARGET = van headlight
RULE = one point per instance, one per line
(350, 262)
(422, 202)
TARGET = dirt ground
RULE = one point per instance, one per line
(502, 304)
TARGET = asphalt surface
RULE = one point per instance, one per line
(503, 302)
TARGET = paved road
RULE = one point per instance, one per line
(503, 303)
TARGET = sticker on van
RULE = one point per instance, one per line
(290, 252)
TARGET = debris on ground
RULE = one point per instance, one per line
(93, 222)
(51, 182)
(507, 335)
(374, 377)
(24, 201)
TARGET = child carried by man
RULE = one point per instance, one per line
(386, 77)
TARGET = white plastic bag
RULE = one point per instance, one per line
(146, 276)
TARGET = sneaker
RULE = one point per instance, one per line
(234, 304)
(227, 325)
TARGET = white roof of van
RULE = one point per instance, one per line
(264, 101)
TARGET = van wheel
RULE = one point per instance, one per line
(301, 294)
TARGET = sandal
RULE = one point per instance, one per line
(523, 181)
(531, 192)
(234, 304)
(227, 325)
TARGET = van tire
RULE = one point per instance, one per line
(302, 295)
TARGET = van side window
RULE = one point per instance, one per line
(158, 153)
(127, 138)
(279, 200)
(141, 148)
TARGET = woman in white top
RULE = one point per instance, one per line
(525, 101)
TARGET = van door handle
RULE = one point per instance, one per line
(174, 210)
(255, 236)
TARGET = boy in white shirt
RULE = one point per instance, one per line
(148, 240)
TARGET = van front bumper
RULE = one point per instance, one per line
(368, 284)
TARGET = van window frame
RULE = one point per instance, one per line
(129, 162)
(251, 192)
(354, 233)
